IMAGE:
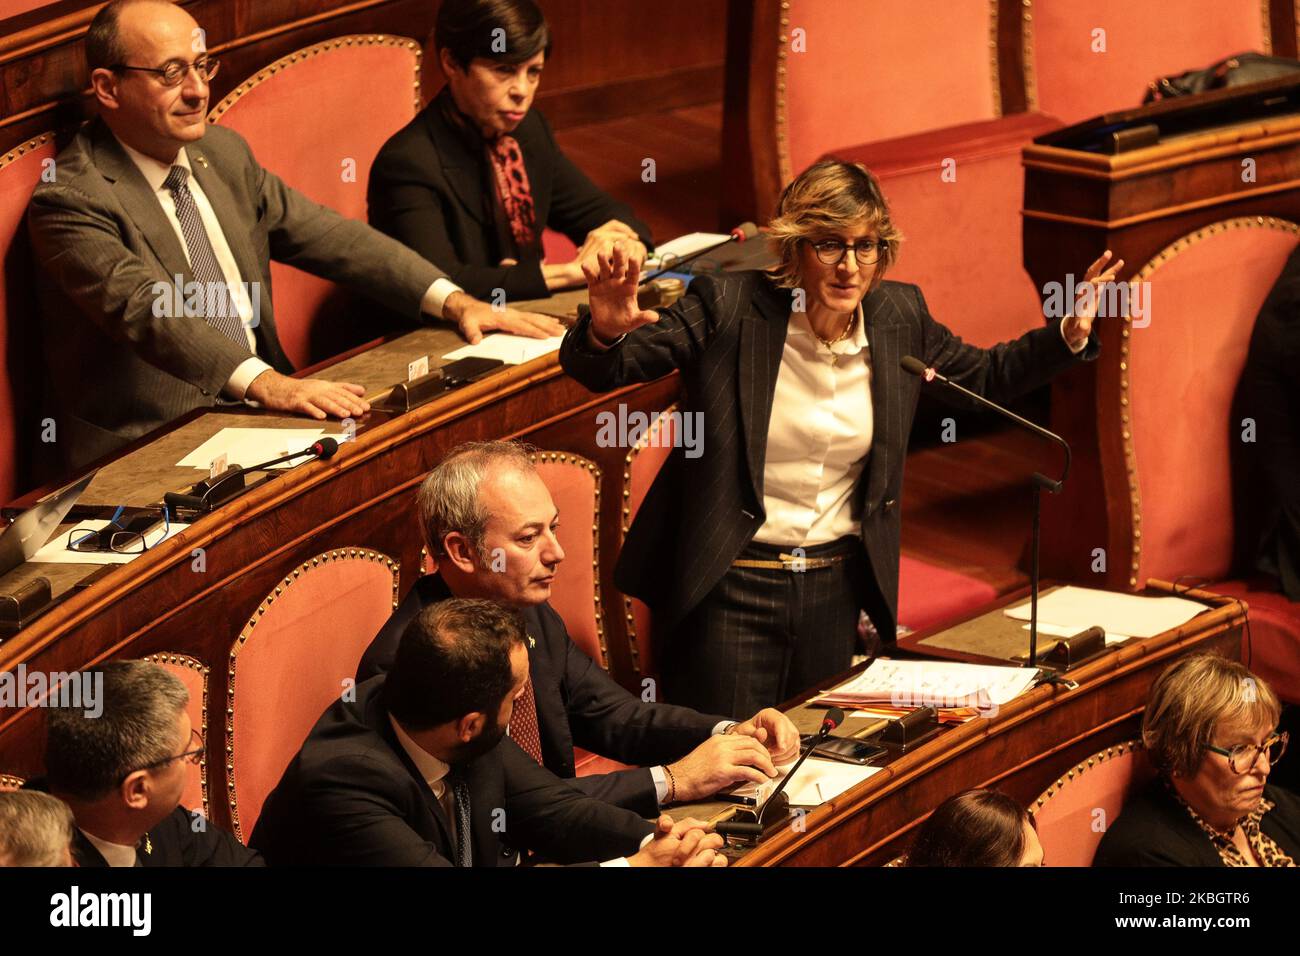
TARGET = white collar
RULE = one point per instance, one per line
(430, 767)
(154, 172)
(114, 854)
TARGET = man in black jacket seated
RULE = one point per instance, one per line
(120, 766)
(490, 522)
(475, 178)
(417, 771)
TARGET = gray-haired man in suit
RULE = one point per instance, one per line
(155, 240)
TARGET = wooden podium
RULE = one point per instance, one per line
(1135, 182)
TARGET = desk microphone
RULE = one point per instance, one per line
(200, 498)
(746, 230)
(834, 717)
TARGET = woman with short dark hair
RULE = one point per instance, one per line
(977, 828)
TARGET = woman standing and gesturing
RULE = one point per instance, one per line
(757, 556)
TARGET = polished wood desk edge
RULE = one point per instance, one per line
(1091, 678)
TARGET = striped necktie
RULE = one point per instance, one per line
(460, 795)
(218, 302)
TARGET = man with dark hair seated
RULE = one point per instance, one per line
(417, 770)
(472, 181)
(490, 523)
(122, 773)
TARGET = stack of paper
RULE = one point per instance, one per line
(1069, 610)
(511, 349)
(677, 249)
(906, 685)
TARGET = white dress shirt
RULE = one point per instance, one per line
(819, 436)
(155, 174)
(434, 772)
(114, 854)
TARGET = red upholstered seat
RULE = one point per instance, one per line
(1143, 41)
(1178, 376)
(285, 112)
(194, 675)
(643, 462)
(10, 782)
(20, 382)
(297, 654)
(557, 247)
(574, 484)
(930, 595)
(1073, 813)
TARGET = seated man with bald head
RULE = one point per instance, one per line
(154, 241)
(490, 524)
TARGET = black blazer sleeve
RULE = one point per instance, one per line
(201, 843)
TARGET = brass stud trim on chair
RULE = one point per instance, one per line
(1116, 750)
(190, 663)
(369, 39)
(1130, 449)
(23, 149)
(1027, 54)
(568, 458)
(994, 64)
(394, 569)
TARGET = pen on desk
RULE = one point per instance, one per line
(872, 728)
(820, 796)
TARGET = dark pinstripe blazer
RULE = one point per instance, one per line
(117, 368)
(726, 336)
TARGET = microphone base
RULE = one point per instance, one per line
(744, 829)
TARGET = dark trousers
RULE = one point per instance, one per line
(761, 636)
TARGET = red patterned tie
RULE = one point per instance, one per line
(513, 191)
(523, 724)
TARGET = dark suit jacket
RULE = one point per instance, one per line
(431, 188)
(1154, 830)
(726, 336)
(577, 703)
(173, 842)
(353, 796)
(117, 368)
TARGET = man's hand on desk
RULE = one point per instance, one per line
(719, 762)
(307, 396)
(775, 731)
(474, 318)
(681, 843)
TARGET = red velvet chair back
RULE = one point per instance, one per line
(296, 656)
(1075, 79)
(194, 675)
(1174, 380)
(292, 113)
(20, 381)
(574, 484)
(639, 471)
(1073, 813)
(862, 72)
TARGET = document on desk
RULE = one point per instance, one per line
(819, 780)
(681, 247)
(56, 551)
(250, 446)
(944, 684)
(1069, 610)
(511, 349)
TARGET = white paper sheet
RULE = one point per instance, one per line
(936, 684)
(1075, 609)
(56, 551)
(249, 446)
(511, 349)
(819, 780)
(681, 247)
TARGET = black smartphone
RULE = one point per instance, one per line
(846, 750)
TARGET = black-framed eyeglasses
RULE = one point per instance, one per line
(173, 71)
(193, 753)
(831, 251)
(1243, 757)
(116, 538)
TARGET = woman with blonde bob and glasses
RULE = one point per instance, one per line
(758, 550)
(1210, 728)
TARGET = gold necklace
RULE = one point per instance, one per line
(848, 327)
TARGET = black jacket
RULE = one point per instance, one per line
(726, 336)
(431, 188)
(577, 703)
(175, 841)
(352, 796)
(1154, 830)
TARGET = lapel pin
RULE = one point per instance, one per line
(201, 160)
(532, 642)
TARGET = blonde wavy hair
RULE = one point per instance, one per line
(1191, 698)
(830, 196)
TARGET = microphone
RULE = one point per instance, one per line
(754, 829)
(743, 232)
(914, 366)
(201, 497)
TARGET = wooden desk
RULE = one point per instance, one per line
(1028, 745)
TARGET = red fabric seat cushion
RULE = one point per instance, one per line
(1271, 647)
(929, 595)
